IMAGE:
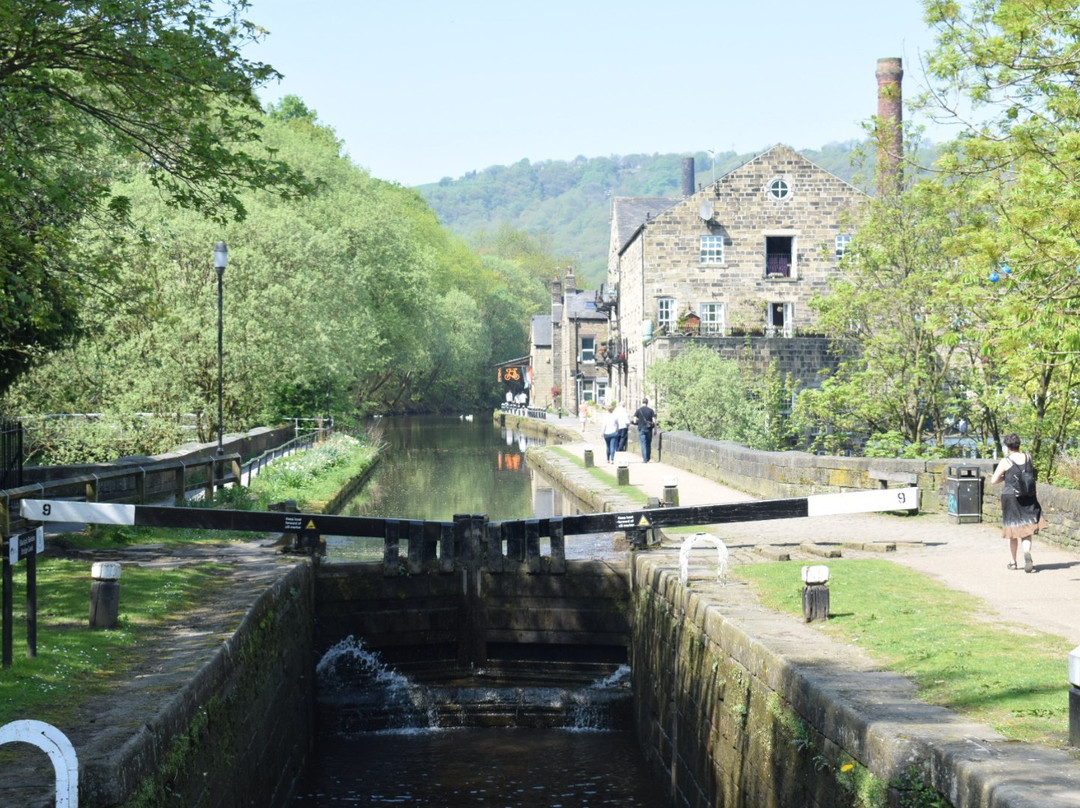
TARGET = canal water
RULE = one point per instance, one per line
(432, 469)
(437, 466)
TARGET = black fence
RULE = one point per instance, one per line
(11, 454)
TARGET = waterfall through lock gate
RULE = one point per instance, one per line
(357, 692)
(384, 740)
(516, 739)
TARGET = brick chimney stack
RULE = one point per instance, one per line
(890, 135)
(569, 285)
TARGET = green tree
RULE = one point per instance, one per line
(703, 393)
(87, 90)
(1007, 71)
(900, 313)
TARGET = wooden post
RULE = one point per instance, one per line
(532, 545)
(446, 548)
(8, 608)
(558, 546)
(180, 485)
(815, 596)
(390, 547)
(416, 551)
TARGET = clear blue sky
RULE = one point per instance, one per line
(420, 89)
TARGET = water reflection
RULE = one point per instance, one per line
(466, 767)
(435, 467)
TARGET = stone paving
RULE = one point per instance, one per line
(971, 557)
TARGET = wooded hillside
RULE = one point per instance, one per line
(568, 202)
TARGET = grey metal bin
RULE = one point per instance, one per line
(964, 490)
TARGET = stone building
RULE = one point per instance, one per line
(567, 348)
(733, 265)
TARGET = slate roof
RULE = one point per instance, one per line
(630, 212)
(582, 306)
(541, 329)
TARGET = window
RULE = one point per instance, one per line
(586, 390)
(779, 189)
(712, 318)
(601, 390)
(780, 319)
(779, 256)
(665, 313)
(712, 250)
(588, 349)
(842, 242)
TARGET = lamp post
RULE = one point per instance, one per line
(221, 260)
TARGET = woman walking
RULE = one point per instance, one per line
(1021, 514)
(611, 432)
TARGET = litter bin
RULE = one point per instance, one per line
(964, 489)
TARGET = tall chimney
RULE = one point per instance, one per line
(569, 283)
(556, 301)
(890, 134)
(688, 176)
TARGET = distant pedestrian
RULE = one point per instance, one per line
(1021, 514)
(645, 419)
(610, 431)
(624, 425)
(583, 414)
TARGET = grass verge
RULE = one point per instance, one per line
(74, 662)
(608, 479)
(960, 655)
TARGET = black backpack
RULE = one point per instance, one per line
(1024, 481)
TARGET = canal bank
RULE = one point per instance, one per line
(758, 708)
(684, 632)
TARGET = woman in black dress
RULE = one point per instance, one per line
(1021, 514)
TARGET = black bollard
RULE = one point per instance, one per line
(105, 595)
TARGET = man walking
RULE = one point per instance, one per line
(645, 419)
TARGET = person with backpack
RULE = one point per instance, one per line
(645, 420)
(1021, 514)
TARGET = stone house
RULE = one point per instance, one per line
(567, 348)
(733, 265)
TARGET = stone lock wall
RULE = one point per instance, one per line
(239, 732)
(726, 719)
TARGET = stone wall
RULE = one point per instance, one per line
(801, 358)
(238, 732)
(739, 707)
(777, 475)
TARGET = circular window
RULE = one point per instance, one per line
(779, 189)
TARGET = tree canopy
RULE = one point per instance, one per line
(353, 298)
(93, 90)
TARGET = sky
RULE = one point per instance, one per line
(419, 90)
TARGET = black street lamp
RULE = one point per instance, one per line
(221, 260)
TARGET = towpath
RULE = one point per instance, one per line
(971, 557)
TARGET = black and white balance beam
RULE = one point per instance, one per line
(45, 510)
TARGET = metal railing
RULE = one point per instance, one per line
(522, 411)
(254, 467)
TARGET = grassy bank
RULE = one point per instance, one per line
(75, 663)
(959, 655)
